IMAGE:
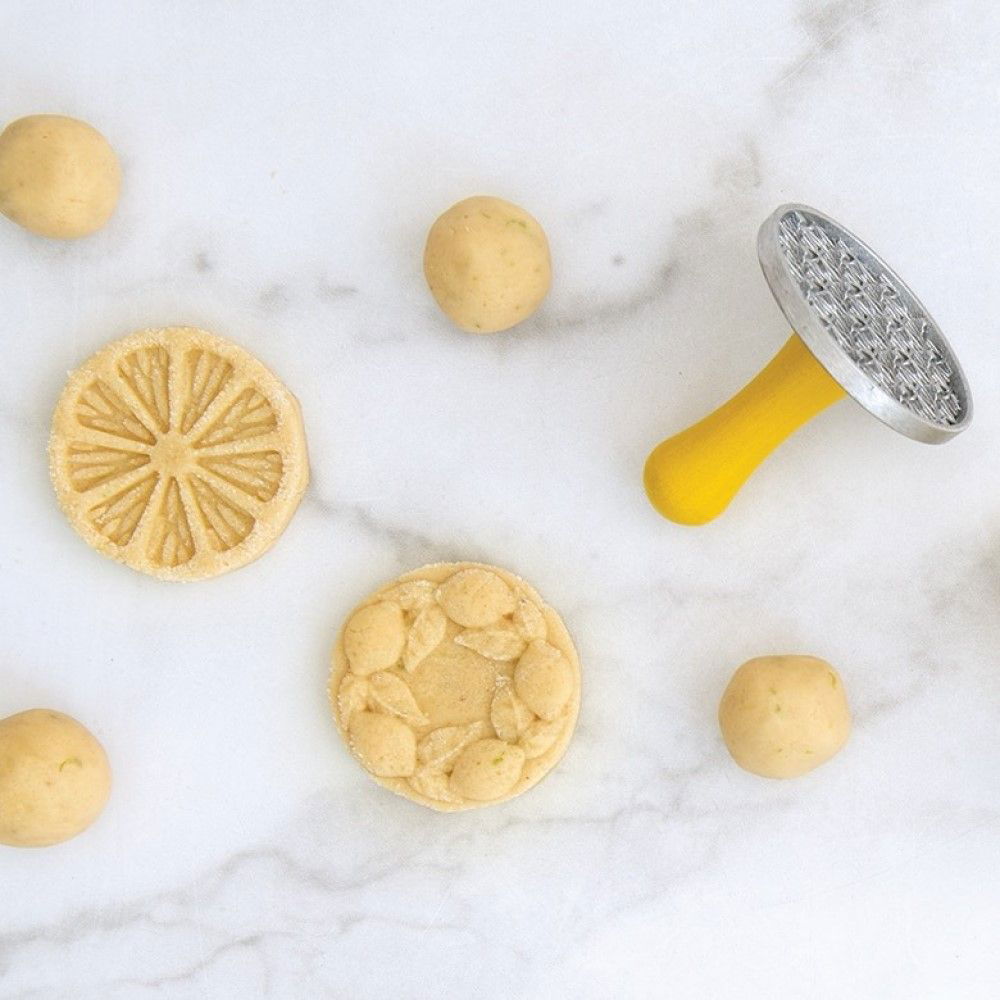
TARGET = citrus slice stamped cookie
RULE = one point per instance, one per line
(178, 453)
(456, 686)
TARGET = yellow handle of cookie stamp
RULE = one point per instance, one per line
(691, 477)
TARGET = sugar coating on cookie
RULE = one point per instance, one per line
(455, 686)
(487, 264)
(178, 453)
(59, 176)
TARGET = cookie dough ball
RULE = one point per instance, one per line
(58, 176)
(487, 264)
(54, 778)
(781, 716)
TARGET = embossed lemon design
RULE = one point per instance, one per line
(456, 686)
(178, 453)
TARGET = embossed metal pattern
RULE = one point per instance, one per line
(873, 317)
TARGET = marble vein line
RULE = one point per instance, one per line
(409, 546)
(831, 23)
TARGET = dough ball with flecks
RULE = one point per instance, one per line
(782, 716)
(58, 176)
(487, 264)
(54, 778)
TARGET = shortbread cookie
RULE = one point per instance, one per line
(178, 453)
(456, 686)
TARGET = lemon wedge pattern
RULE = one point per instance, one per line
(178, 453)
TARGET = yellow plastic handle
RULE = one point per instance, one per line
(691, 477)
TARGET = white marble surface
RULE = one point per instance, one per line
(282, 163)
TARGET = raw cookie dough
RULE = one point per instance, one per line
(782, 716)
(456, 686)
(178, 453)
(487, 264)
(58, 176)
(54, 778)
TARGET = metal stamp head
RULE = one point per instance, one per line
(863, 324)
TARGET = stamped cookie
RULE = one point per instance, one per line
(178, 453)
(456, 686)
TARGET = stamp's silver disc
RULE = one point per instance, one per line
(863, 324)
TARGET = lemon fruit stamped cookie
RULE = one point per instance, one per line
(178, 453)
(456, 686)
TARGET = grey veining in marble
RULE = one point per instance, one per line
(282, 164)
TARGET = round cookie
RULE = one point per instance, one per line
(178, 453)
(487, 264)
(59, 176)
(456, 686)
(782, 716)
(54, 778)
